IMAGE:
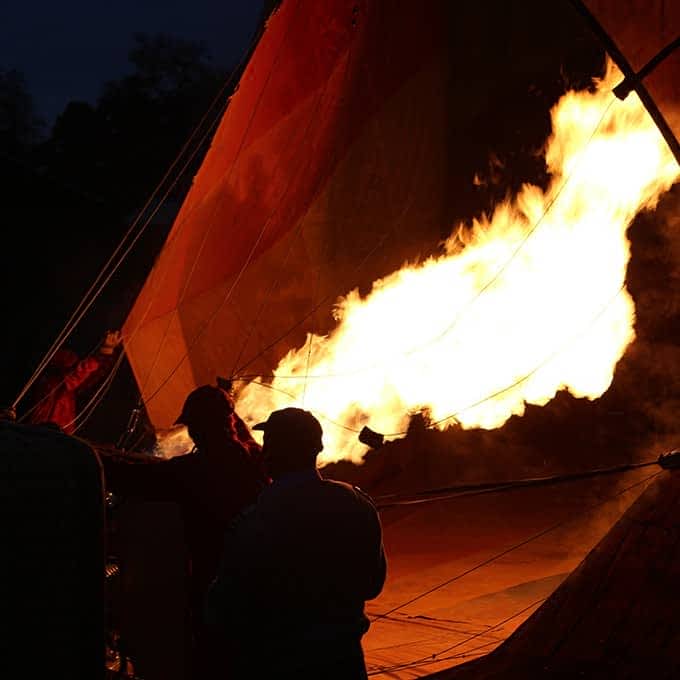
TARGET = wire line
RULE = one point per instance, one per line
(96, 287)
(514, 547)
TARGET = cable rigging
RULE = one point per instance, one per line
(516, 546)
(437, 656)
(105, 275)
(521, 380)
(486, 286)
(671, 461)
(251, 253)
(448, 493)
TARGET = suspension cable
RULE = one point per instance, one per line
(526, 541)
(521, 380)
(89, 408)
(458, 491)
(436, 657)
(102, 279)
(528, 375)
(52, 392)
(208, 231)
(491, 281)
(293, 241)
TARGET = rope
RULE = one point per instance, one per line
(526, 377)
(433, 658)
(237, 155)
(382, 151)
(208, 231)
(296, 325)
(514, 547)
(294, 398)
(438, 655)
(448, 493)
(376, 246)
(293, 241)
(477, 403)
(52, 391)
(174, 239)
(85, 304)
(489, 283)
(60, 340)
(311, 342)
(89, 408)
(420, 621)
(96, 399)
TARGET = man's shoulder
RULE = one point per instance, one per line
(363, 495)
(350, 491)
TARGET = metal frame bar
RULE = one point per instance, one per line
(633, 80)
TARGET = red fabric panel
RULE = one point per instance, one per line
(640, 28)
(320, 74)
(343, 144)
(273, 151)
(663, 84)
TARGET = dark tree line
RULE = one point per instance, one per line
(71, 192)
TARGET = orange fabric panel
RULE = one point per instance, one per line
(663, 84)
(275, 154)
(289, 122)
(337, 160)
(641, 29)
(353, 221)
(160, 361)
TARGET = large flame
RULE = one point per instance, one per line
(530, 302)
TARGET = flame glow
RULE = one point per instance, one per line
(172, 442)
(530, 302)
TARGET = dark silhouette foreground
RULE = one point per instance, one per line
(210, 485)
(298, 566)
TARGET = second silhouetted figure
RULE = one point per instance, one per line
(299, 565)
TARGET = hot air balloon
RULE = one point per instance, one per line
(334, 164)
(339, 176)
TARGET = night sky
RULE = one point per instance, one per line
(68, 50)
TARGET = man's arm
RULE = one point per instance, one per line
(376, 579)
(91, 369)
(376, 564)
(146, 478)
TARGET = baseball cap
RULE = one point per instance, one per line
(298, 426)
(205, 403)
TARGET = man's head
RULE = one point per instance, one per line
(64, 359)
(206, 412)
(292, 441)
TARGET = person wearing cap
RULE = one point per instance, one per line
(299, 565)
(211, 485)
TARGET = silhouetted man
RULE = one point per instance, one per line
(299, 565)
(211, 485)
(66, 379)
